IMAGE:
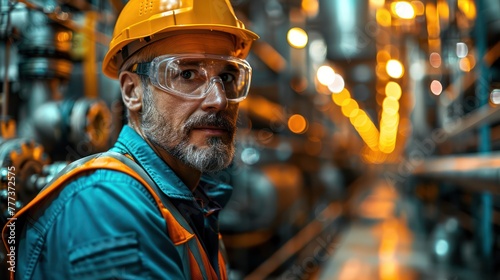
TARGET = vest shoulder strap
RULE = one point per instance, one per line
(182, 231)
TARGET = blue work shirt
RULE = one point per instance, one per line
(106, 225)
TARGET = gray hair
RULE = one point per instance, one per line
(145, 54)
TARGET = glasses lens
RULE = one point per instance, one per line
(192, 75)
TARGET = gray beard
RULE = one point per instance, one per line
(215, 157)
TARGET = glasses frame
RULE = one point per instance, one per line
(150, 69)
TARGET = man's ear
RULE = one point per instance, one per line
(132, 91)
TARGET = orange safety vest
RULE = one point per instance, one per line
(179, 231)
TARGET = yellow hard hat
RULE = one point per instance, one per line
(142, 22)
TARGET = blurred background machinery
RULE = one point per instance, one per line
(376, 116)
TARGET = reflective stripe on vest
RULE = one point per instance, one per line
(178, 229)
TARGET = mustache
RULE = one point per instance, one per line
(216, 120)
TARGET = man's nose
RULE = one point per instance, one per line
(215, 98)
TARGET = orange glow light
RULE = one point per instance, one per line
(443, 10)
(297, 124)
(383, 17)
(390, 105)
(433, 28)
(468, 8)
(339, 98)
(393, 89)
(465, 64)
(311, 7)
(359, 120)
(383, 56)
(349, 106)
(63, 36)
(419, 7)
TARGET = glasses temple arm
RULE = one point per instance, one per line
(141, 68)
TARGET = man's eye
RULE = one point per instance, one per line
(187, 74)
(226, 77)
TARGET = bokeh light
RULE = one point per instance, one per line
(394, 68)
(403, 9)
(383, 17)
(495, 96)
(339, 98)
(390, 105)
(350, 107)
(462, 50)
(468, 7)
(465, 64)
(383, 56)
(317, 50)
(297, 37)
(311, 7)
(436, 87)
(377, 3)
(435, 60)
(417, 71)
(393, 89)
(337, 85)
(297, 124)
(325, 75)
(419, 7)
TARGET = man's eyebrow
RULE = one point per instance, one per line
(231, 67)
(228, 66)
(190, 62)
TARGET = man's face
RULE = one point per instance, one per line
(198, 132)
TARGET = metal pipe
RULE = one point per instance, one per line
(484, 114)
(485, 204)
(5, 92)
(475, 172)
(62, 18)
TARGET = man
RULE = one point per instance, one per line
(151, 214)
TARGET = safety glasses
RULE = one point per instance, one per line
(193, 75)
